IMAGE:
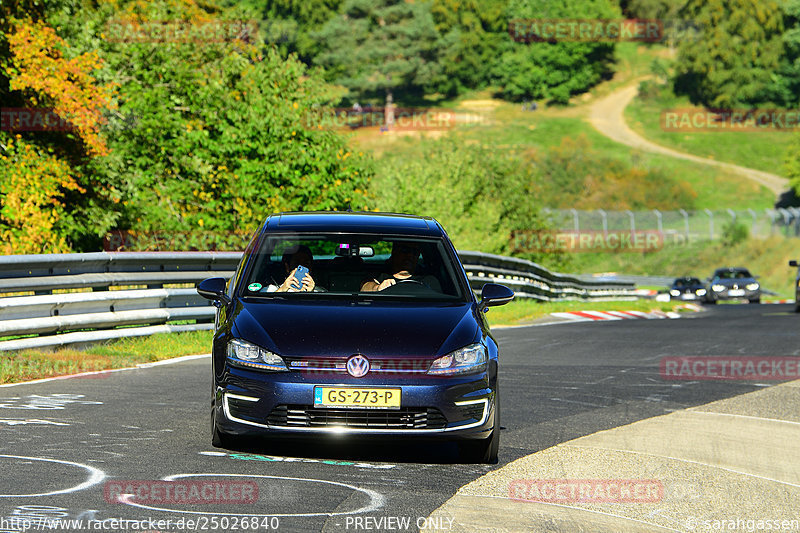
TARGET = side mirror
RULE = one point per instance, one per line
(213, 289)
(495, 294)
(793, 263)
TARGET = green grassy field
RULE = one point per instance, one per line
(767, 258)
(508, 128)
(762, 150)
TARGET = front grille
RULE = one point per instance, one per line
(246, 410)
(474, 411)
(324, 365)
(321, 417)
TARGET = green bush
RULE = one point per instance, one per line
(734, 232)
(479, 195)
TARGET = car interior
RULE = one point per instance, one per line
(343, 265)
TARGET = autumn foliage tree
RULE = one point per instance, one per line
(43, 202)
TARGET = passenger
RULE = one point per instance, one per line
(291, 260)
(401, 265)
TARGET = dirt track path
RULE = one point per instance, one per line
(606, 115)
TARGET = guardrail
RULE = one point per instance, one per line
(49, 318)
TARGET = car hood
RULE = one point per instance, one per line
(340, 329)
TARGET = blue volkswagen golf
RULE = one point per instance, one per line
(357, 324)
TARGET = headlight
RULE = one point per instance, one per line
(700, 292)
(718, 288)
(674, 292)
(245, 354)
(751, 286)
(464, 361)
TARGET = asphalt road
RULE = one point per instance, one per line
(62, 442)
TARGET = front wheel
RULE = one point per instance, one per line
(755, 301)
(486, 450)
(220, 439)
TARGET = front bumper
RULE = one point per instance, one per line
(736, 294)
(253, 403)
(688, 297)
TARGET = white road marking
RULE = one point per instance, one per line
(376, 500)
(29, 421)
(746, 416)
(580, 509)
(689, 461)
(95, 477)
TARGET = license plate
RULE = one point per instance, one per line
(736, 292)
(356, 397)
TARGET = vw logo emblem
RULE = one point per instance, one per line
(358, 366)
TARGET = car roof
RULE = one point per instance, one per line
(353, 222)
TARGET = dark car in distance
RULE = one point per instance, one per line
(733, 283)
(687, 289)
(362, 351)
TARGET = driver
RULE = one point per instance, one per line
(290, 261)
(402, 262)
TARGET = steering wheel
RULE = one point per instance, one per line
(410, 281)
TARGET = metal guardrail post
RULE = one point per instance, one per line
(710, 223)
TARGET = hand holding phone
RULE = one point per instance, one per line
(299, 273)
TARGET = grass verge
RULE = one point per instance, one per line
(34, 364)
(762, 150)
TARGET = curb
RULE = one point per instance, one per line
(701, 458)
(586, 316)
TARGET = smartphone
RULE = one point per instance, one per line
(300, 273)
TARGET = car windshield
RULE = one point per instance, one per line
(732, 274)
(362, 266)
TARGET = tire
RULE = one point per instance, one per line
(486, 450)
(756, 301)
(219, 439)
(711, 302)
(797, 308)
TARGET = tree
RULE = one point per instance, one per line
(473, 32)
(46, 201)
(220, 137)
(554, 70)
(740, 49)
(377, 46)
(784, 86)
(290, 24)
